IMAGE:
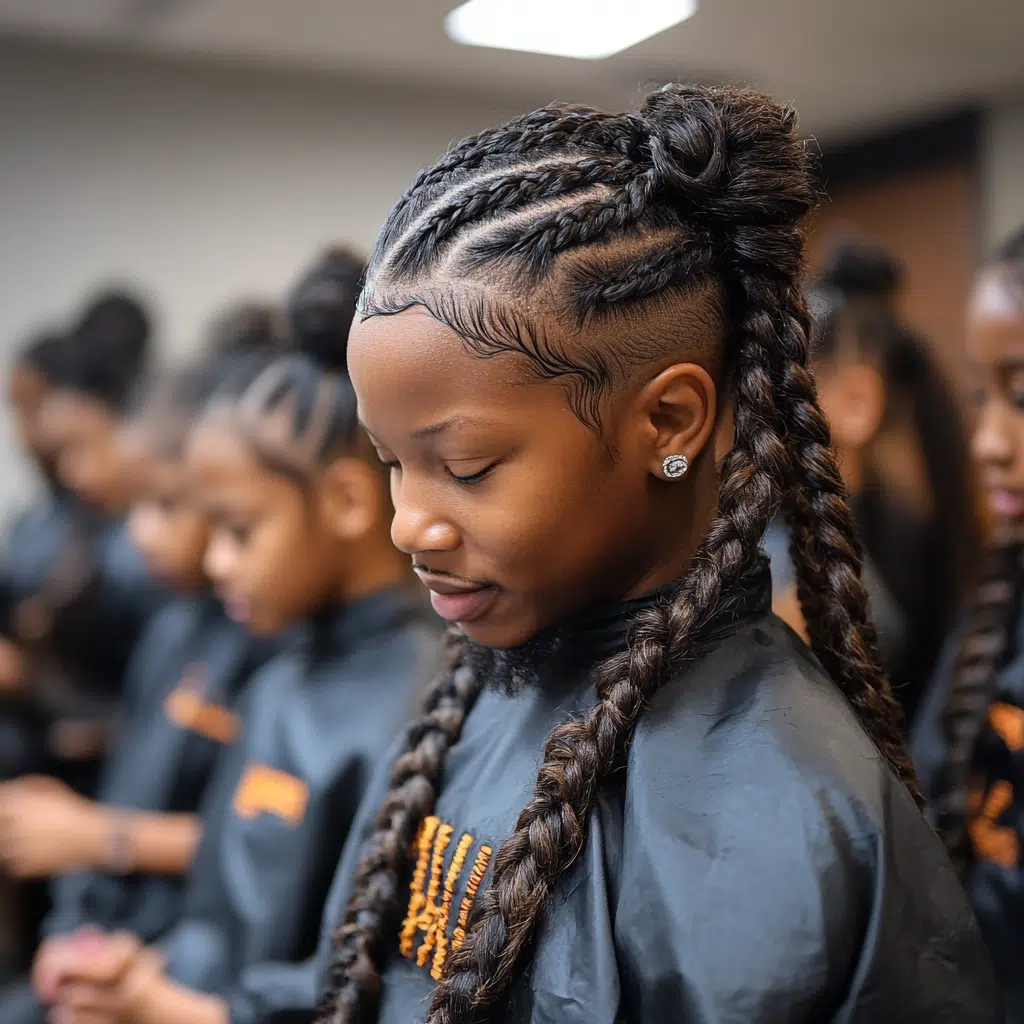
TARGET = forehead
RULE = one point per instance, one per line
(995, 319)
(410, 372)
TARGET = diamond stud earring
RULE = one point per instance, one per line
(675, 466)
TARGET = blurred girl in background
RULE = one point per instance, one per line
(123, 857)
(969, 742)
(300, 516)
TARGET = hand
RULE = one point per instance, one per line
(48, 965)
(116, 980)
(47, 828)
(103, 979)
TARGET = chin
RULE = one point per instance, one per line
(502, 634)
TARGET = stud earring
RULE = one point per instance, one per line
(675, 466)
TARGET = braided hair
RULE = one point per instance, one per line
(598, 217)
(289, 391)
(983, 646)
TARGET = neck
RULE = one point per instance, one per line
(683, 525)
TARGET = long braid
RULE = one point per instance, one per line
(824, 545)
(354, 983)
(719, 187)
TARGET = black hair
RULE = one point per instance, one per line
(308, 385)
(322, 305)
(49, 355)
(696, 197)
(244, 327)
(862, 281)
(985, 640)
(107, 351)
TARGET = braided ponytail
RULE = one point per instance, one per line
(698, 186)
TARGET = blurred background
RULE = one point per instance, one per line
(200, 150)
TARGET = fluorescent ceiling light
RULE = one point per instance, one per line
(588, 29)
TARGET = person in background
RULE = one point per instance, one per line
(902, 444)
(119, 861)
(969, 739)
(83, 629)
(300, 515)
(33, 544)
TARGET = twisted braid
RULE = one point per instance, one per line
(505, 194)
(985, 642)
(555, 128)
(354, 982)
(824, 546)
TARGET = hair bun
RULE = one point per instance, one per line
(322, 305)
(247, 326)
(863, 270)
(733, 156)
(117, 324)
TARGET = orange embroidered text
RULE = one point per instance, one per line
(432, 894)
(1008, 723)
(993, 841)
(189, 711)
(263, 789)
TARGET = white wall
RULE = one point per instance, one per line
(199, 185)
(1003, 170)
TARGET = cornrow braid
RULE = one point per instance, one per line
(706, 187)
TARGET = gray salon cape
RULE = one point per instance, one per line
(317, 719)
(756, 862)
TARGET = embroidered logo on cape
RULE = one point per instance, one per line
(187, 709)
(992, 839)
(425, 931)
(266, 790)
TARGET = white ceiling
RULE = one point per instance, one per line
(848, 65)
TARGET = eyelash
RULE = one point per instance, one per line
(465, 481)
(473, 478)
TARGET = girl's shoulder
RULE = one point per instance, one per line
(755, 722)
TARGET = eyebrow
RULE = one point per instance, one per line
(433, 429)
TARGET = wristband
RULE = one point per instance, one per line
(119, 856)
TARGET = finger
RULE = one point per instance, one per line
(102, 959)
(82, 997)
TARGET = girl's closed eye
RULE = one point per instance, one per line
(472, 477)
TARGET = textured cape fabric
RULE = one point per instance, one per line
(316, 720)
(757, 862)
(995, 879)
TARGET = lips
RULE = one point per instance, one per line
(1006, 504)
(458, 602)
(236, 609)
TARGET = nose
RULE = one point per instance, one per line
(417, 526)
(993, 440)
(218, 558)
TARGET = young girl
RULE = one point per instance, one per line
(968, 742)
(120, 859)
(881, 389)
(636, 795)
(300, 513)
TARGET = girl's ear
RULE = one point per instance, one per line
(351, 498)
(679, 408)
